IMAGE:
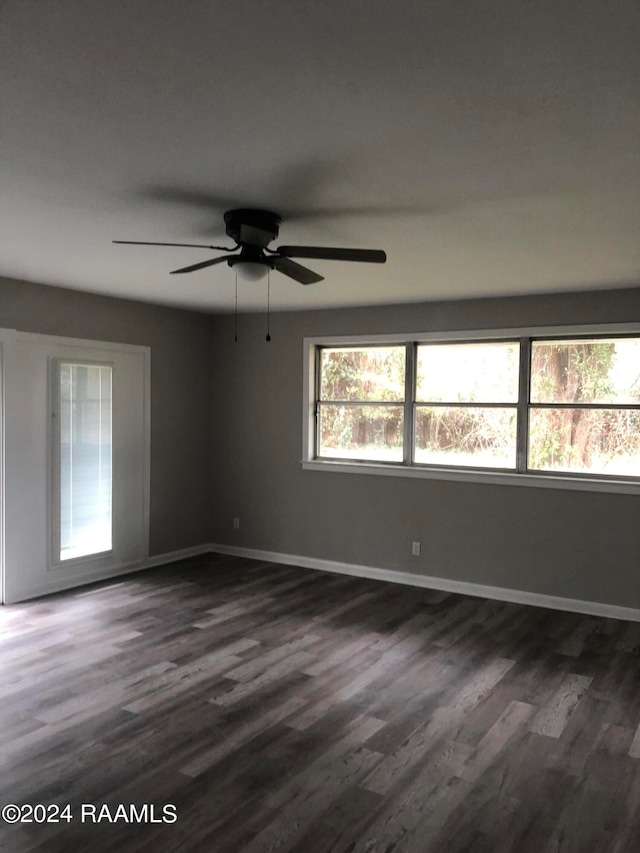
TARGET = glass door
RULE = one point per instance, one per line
(82, 473)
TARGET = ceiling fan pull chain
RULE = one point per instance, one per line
(235, 316)
(268, 338)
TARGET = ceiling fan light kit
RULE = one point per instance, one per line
(249, 270)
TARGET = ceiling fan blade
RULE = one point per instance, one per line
(371, 256)
(190, 245)
(202, 264)
(296, 271)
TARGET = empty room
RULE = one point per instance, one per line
(320, 426)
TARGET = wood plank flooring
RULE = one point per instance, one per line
(282, 709)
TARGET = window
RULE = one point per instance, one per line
(361, 403)
(585, 406)
(533, 406)
(84, 459)
(466, 404)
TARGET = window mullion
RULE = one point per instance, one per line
(524, 379)
(316, 404)
(409, 397)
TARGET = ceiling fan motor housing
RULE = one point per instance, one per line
(261, 220)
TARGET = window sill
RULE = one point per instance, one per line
(540, 481)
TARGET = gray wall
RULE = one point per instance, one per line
(583, 545)
(180, 344)
(227, 437)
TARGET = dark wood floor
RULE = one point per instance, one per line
(281, 709)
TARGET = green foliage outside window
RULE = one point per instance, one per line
(577, 438)
(581, 415)
(361, 375)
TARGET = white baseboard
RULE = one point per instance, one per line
(175, 556)
(498, 593)
(54, 584)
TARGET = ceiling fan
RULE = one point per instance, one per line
(253, 230)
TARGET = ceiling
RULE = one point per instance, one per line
(489, 147)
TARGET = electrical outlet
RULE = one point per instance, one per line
(415, 549)
(236, 523)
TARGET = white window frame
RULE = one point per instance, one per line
(519, 477)
(399, 404)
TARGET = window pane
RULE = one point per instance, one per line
(595, 441)
(85, 460)
(469, 436)
(586, 371)
(361, 432)
(362, 373)
(468, 373)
